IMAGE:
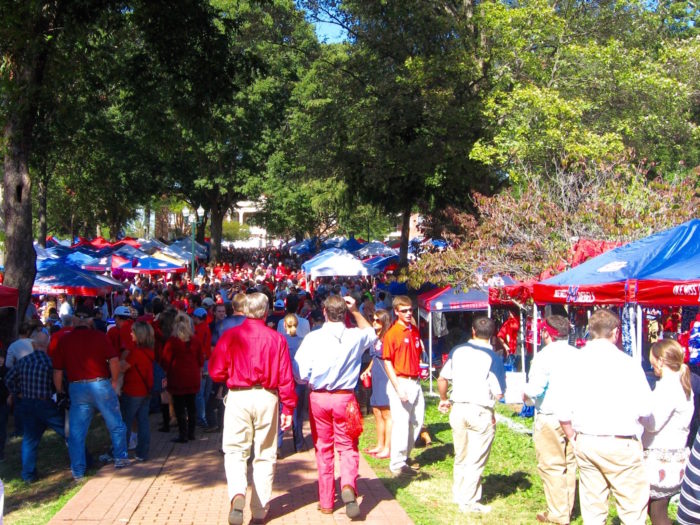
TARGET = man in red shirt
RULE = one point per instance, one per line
(91, 364)
(401, 352)
(253, 360)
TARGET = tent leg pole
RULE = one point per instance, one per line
(633, 332)
(534, 335)
(430, 351)
(640, 342)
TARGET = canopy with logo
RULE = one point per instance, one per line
(663, 268)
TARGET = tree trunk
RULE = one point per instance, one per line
(147, 221)
(20, 258)
(42, 195)
(405, 229)
(216, 227)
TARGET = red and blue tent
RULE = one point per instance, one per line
(663, 268)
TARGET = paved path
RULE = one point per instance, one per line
(186, 484)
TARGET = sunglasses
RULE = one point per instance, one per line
(405, 310)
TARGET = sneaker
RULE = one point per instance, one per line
(106, 458)
(404, 471)
(121, 462)
(139, 459)
(475, 508)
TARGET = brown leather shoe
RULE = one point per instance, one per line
(543, 517)
(235, 515)
(322, 510)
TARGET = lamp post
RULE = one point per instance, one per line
(192, 219)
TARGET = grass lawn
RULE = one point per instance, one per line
(36, 503)
(511, 485)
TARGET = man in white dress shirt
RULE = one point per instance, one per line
(329, 360)
(478, 380)
(605, 396)
(556, 462)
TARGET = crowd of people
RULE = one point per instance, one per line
(250, 350)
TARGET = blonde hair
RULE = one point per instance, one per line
(182, 327)
(401, 300)
(290, 324)
(143, 332)
(671, 355)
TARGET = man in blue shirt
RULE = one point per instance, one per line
(30, 381)
(329, 360)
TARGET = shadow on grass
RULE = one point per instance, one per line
(503, 485)
(435, 428)
(434, 454)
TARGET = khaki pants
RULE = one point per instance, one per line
(611, 464)
(407, 421)
(472, 432)
(251, 419)
(556, 464)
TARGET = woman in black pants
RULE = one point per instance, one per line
(182, 359)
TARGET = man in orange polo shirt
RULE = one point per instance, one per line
(401, 352)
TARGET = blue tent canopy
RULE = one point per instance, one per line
(351, 245)
(615, 277)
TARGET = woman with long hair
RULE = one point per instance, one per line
(381, 322)
(137, 368)
(666, 429)
(182, 359)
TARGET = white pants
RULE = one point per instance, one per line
(251, 419)
(407, 420)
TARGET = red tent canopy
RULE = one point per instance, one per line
(9, 297)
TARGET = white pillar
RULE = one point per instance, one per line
(430, 348)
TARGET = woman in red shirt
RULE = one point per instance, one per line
(138, 382)
(182, 359)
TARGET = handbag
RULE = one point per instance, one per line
(353, 419)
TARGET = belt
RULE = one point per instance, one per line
(250, 387)
(615, 436)
(324, 391)
(90, 380)
(414, 378)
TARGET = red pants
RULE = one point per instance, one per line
(327, 418)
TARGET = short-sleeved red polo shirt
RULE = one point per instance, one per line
(401, 346)
(83, 354)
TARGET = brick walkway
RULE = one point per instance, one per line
(186, 484)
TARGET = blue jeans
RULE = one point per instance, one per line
(4, 413)
(137, 408)
(200, 400)
(37, 415)
(84, 399)
(297, 419)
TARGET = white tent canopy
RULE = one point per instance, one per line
(339, 264)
